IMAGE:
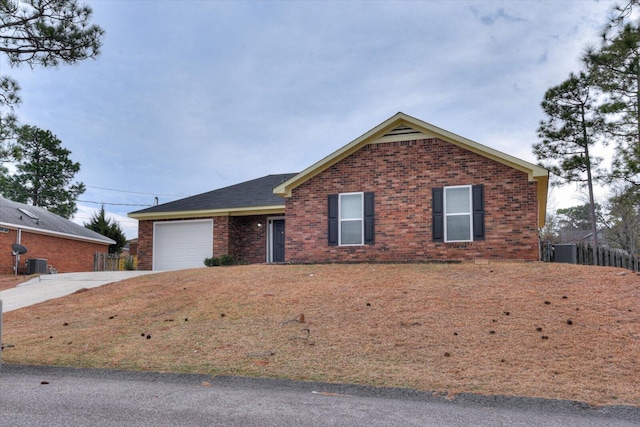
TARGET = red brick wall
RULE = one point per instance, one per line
(66, 255)
(145, 245)
(249, 242)
(221, 236)
(133, 248)
(402, 175)
(6, 260)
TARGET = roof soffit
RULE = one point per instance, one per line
(205, 213)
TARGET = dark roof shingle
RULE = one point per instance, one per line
(250, 194)
(19, 215)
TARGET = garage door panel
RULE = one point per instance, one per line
(182, 244)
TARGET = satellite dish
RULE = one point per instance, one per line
(18, 249)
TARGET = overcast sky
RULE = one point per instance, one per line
(190, 96)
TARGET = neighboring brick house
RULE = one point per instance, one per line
(404, 191)
(54, 241)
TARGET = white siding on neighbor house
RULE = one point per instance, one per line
(182, 244)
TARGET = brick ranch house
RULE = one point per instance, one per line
(404, 191)
(66, 246)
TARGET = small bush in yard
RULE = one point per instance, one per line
(222, 260)
(227, 260)
(212, 262)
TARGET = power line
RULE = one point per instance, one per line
(134, 192)
(113, 204)
(128, 221)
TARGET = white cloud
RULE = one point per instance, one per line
(192, 96)
(85, 213)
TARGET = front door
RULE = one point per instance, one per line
(277, 230)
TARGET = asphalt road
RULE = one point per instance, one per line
(49, 396)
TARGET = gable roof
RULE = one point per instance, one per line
(402, 127)
(577, 236)
(16, 215)
(247, 198)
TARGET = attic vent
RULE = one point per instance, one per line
(29, 214)
(402, 130)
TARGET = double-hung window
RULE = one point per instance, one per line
(458, 213)
(458, 221)
(351, 208)
(351, 219)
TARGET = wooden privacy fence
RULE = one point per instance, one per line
(586, 254)
(113, 262)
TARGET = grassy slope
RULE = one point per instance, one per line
(544, 330)
(10, 281)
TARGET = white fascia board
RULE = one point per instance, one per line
(205, 213)
(106, 241)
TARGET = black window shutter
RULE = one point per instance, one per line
(369, 219)
(478, 212)
(333, 219)
(437, 203)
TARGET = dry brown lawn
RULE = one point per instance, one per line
(11, 281)
(540, 330)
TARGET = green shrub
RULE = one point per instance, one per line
(221, 260)
(212, 262)
(227, 260)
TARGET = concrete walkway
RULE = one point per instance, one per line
(50, 286)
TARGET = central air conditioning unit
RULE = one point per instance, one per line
(567, 253)
(36, 266)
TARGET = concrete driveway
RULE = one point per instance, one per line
(50, 286)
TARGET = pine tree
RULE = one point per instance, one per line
(623, 219)
(40, 33)
(44, 174)
(573, 126)
(615, 70)
(108, 227)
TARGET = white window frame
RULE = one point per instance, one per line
(341, 220)
(458, 214)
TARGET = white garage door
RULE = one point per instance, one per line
(182, 244)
